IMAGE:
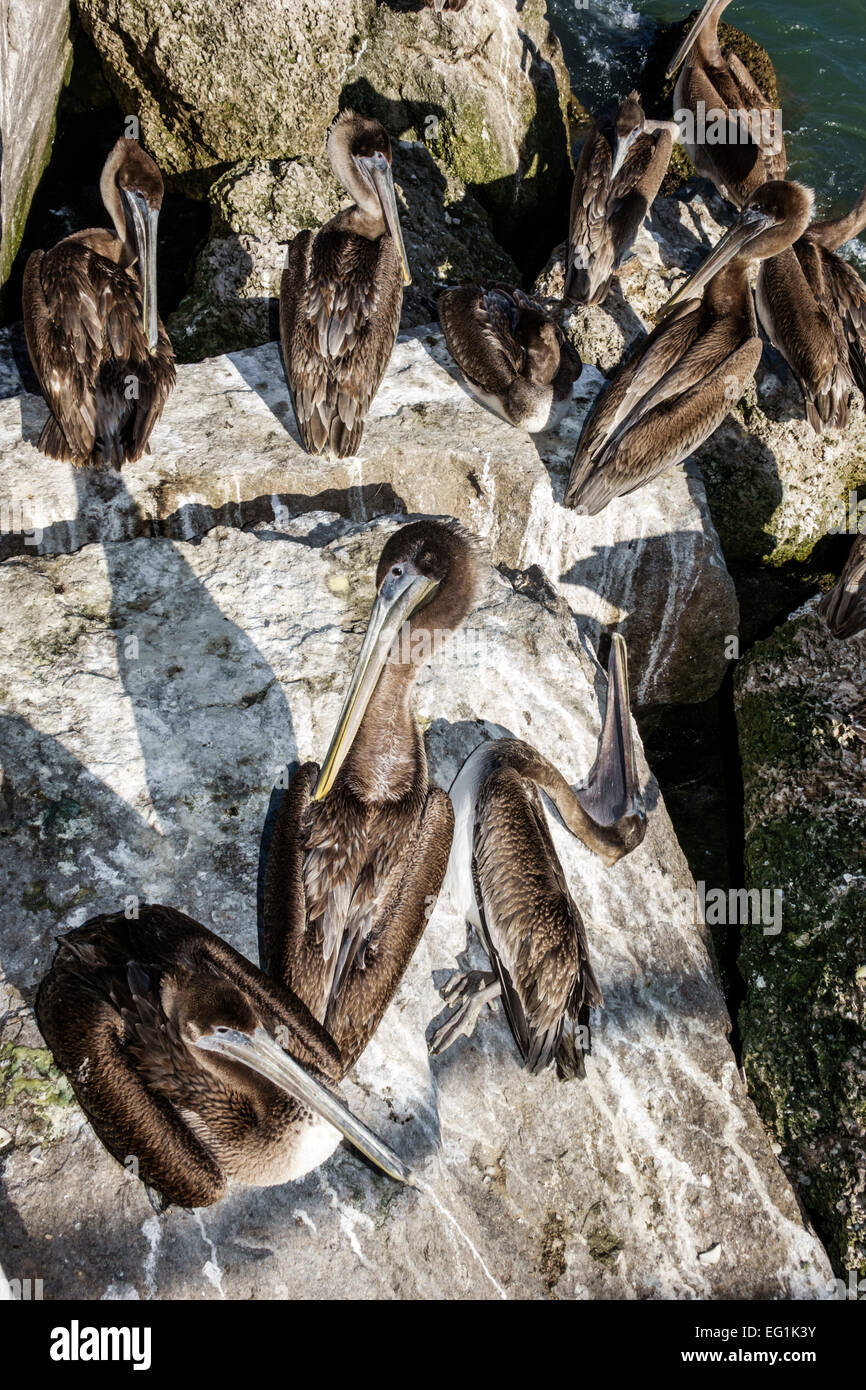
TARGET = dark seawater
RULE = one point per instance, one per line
(819, 50)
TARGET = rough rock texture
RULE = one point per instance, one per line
(774, 486)
(158, 690)
(803, 745)
(220, 83)
(226, 450)
(34, 61)
(260, 205)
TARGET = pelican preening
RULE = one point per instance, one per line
(714, 82)
(341, 294)
(514, 358)
(844, 607)
(361, 845)
(101, 354)
(812, 306)
(506, 873)
(190, 1062)
(693, 368)
(621, 168)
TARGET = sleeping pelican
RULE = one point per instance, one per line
(514, 358)
(844, 607)
(101, 354)
(342, 292)
(713, 83)
(621, 167)
(361, 845)
(506, 872)
(192, 1063)
(693, 368)
(813, 309)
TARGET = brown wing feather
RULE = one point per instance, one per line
(590, 243)
(813, 308)
(479, 330)
(636, 188)
(99, 1010)
(535, 933)
(82, 318)
(370, 981)
(844, 608)
(673, 414)
(340, 301)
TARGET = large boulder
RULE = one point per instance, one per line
(222, 83)
(259, 205)
(227, 450)
(35, 56)
(799, 698)
(154, 691)
(775, 487)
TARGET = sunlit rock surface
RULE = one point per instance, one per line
(227, 450)
(153, 691)
(802, 723)
(34, 60)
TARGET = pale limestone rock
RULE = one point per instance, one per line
(227, 450)
(154, 689)
(34, 60)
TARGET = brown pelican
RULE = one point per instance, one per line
(844, 607)
(693, 368)
(621, 167)
(190, 1062)
(504, 866)
(102, 357)
(719, 89)
(513, 356)
(341, 294)
(813, 309)
(361, 845)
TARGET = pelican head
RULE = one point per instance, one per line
(426, 583)
(132, 191)
(712, 9)
(359, 149)
(217, 1018)
(775, 216)
(628, 125)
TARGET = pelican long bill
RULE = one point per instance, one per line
(263, 1055)
(378, 171)
(735, 242)
(612, 790)
(144, 225)
(691, 38)
(398, 598)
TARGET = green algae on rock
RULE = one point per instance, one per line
(803, 1023)
(217, 84)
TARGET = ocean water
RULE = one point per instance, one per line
(817, 46)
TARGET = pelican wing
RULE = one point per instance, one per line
(534, 931)
(340, 302)
(590, 244)
(735, 165)
(813, 308)
(636, 187)
(80, 1008)
(667, 402)
(844, 607)
(83, 321)
(372, 974)
(479, 327)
